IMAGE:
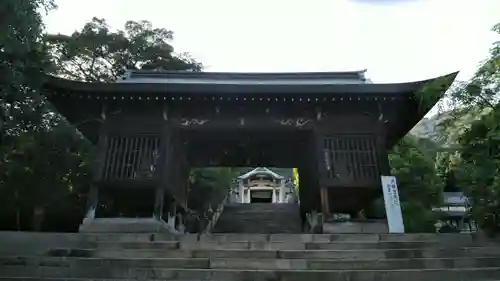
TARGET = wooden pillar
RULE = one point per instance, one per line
(383, 156)
(249, 197)
(322, 164)
(102, 147)
(242, 192)
(325, 204)
(282, 192)
(159, 200)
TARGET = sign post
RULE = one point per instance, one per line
(392, 204)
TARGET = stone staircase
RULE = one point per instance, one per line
(257, 257)
(259, 218)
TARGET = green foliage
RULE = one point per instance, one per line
(474, 123)
(480, 94)
(478, 172)
(419, 185)
(98, 54)
(208, 186)
(433, 92)
(22, 60)
(43, 169)
(42, 159)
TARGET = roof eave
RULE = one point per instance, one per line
(213, 88)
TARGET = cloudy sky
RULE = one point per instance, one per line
(396, 41)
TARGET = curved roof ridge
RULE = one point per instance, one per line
(143, 71)
(358, 75)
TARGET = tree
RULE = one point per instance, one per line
(476, 116)
(22, 60)
(420, 187)
(208, 186)
(478, 172)
(41, 157)
(98, 54)
(483, 89)
(42, 171)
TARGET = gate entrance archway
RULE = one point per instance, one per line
(258, 148)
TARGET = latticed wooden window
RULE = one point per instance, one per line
(131, 157)
(351, 158)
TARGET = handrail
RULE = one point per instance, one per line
(89, 216)
(215, 217)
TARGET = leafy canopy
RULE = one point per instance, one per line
(98, 54)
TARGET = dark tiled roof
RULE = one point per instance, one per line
(216, 86)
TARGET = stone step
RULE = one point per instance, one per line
(383, 264)
(278, 245)
(460, 274)
(62, 279)
(101, 279)
(159, 245)
(125, 225)
(286, 254)
(117, 263)
(281, 245)
(259, 213)
(250, 263)
(77, 238)
(451, 238)
(119, 253)
(262, 206)
(215, 245)
(58, 279)
(259, 218)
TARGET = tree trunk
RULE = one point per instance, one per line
(18, 211)
(18, 219)
(38, 215)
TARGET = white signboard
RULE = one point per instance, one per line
(392, 205)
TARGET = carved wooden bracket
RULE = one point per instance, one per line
(188, 122)
(299, 122)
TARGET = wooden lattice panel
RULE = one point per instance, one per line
(351, 158)
(131, 157)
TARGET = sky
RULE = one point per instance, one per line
(395, 40)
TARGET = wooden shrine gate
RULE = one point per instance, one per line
(152, 127)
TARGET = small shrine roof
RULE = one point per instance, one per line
(260, 170)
